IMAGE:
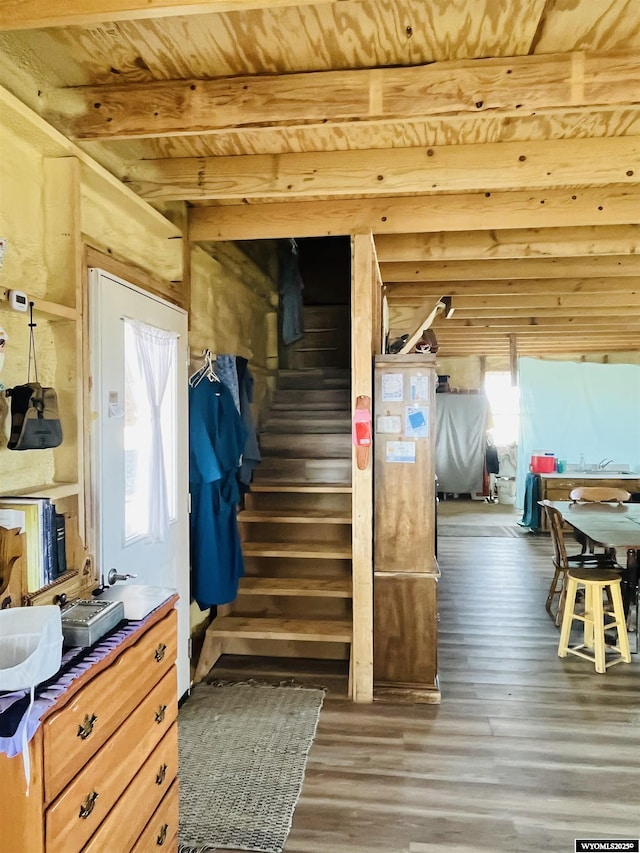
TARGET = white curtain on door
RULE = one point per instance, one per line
(156, 350)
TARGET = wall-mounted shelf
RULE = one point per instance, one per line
(54, 310)
(55, 491)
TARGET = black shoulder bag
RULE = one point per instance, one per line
(35, 423)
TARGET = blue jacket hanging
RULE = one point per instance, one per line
(216, 441)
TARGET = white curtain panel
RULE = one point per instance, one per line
(156, 350)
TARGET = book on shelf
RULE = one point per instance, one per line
(45, 539)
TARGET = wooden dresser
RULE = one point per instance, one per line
(104, 760)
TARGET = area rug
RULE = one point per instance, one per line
(243, 751)
(481, 530)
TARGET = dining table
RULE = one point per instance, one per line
(614, 526)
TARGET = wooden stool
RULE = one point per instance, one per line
(595, 583)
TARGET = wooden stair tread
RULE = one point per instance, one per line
(322, 587)
(334, 630)
(309, 516)
(309, 550)
(303, 488)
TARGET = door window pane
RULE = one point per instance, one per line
(137, 442)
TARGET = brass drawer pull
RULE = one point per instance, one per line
(86, 726)
(160, 713)
(162, 835)
(160, 775)
(87, 807)
(159, 652)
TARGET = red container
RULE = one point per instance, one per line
(543, 464)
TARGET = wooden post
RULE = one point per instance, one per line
(365, 341)
(65, 282)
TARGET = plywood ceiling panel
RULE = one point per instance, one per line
(598, 25)
(452, 131)
(546, 315)
(352, 34)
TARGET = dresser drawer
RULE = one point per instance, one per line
(161, 833)
(88, 799)
(76, 732)
(145, 797)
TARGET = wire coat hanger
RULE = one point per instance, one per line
(206, 371)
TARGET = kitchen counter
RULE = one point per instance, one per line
(591, 475)
(556, 487)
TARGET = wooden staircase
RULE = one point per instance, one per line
(295, 598)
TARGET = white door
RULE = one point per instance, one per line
(121, 439)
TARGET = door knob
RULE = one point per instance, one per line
(113, 576)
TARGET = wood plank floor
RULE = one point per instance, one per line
(526, 752)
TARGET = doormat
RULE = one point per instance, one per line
(481, 530)
(243, 752)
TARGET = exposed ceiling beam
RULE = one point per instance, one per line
(476, 310)
(542, 347)
(533, 286)
(594, 266)
(613, 205)
(515, 243)
(35, 14)
(555, 324)
(512, 86)
(554, 302)
(443, 168)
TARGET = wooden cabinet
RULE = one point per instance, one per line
(104, 760)
(405, 646)
(558, 488)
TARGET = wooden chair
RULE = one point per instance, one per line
(592, 647)
(595, 494)
(562, 563)
(599, 494)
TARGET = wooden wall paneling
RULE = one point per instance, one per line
(612, 205)
(363, 347)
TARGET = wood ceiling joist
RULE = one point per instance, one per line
(594, 266)
(36, 14)
(515, 243)
(512, 86)
(613, 205)
(455, 168)
(399, 292)
(554, 323)
(529, 311)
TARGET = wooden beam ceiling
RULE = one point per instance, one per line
(594, 266)
(437, 169)
(532, 287)
(35, 14)
(613, 205)
(512, 86)
(512, 243)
